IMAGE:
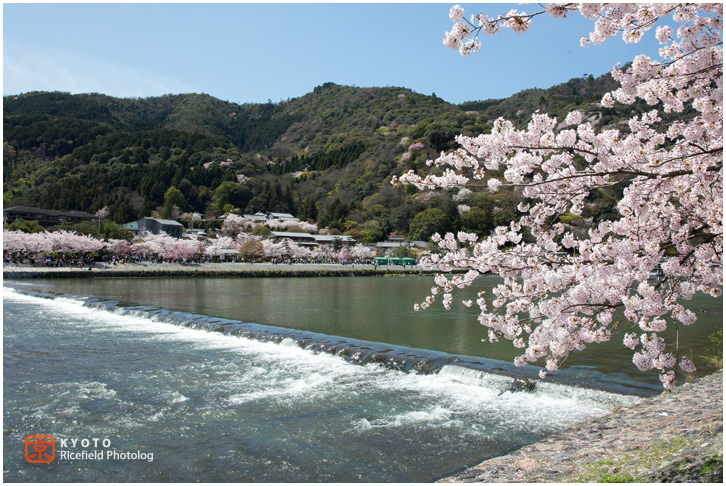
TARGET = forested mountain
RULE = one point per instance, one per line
(326, 157)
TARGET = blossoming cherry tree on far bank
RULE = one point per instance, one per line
(560, 292)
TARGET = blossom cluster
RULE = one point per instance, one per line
(290, 249)
(223, 164)
(49, 242)
(162, 245)
(561, 293)
(233, 224)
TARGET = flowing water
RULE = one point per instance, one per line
(270, 380)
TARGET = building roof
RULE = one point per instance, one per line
(310, 237)
(398, 244)
(48, 212)
(291, 234)
(169, 222)
(166, 222)
(389, 244)
(281, 216)
(330, 238)
(25, 209)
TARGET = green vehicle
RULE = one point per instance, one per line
(394, 261)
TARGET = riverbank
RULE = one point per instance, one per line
(673, 437)
(130, 270)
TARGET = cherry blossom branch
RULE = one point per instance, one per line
(672, 197)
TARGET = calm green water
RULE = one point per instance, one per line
(374, 309)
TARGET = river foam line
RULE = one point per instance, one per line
(501, 377)
(318, 376)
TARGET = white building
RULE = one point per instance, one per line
(307, 239)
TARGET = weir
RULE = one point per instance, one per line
(465, 369)
(399, 358)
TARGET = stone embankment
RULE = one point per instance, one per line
(14, 271)
(673, 437)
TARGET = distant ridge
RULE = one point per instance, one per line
(326, 157)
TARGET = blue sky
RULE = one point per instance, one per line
(252, 52)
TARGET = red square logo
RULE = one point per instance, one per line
(40, 449)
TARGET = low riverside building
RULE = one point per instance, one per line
(302, 239)
(132, 227)
(194, 233)
(328, 239)
(229, 255)
(168, 226)
(282, 216)
(255, 217)
(45, 217)
(269, 216)
(307, 239)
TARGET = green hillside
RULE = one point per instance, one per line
(325, 157)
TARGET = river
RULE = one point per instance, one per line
(306, 380)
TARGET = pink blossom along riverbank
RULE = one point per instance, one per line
(13, 271)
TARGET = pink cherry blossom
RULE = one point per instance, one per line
(323, 252)
(233, 224)
(216, 245)
(362, 252)
(560, 291)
